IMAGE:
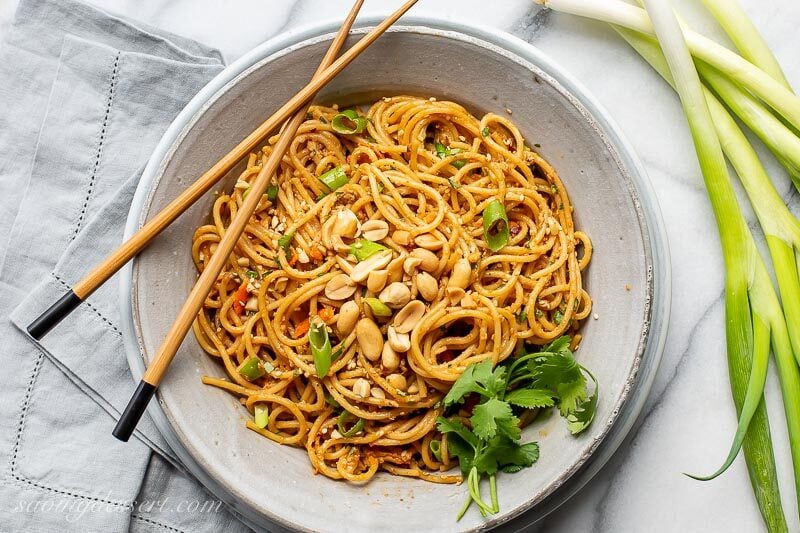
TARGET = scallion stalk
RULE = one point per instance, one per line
(344, 416)
(617, 12)
(730, 15)
(752, 307)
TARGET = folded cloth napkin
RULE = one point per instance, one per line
(84, 98)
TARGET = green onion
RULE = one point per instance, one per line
(363, 249)
(252, 274)
(558, 316)
(453, 183)
(357, 427)
(522, 316)
(436, 449)
(495, 225)
(348, 122)
(732, 18)
(753, 311)
(334, 178)
(443, 151)
(272, 193)
(320, 346)
(285, 241)
(485, 131)
(331, 400)
(617, 12)
(262, 415)
(251, 368)
(378, 307)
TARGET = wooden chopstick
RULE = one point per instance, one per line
(139, 240)
(183, 322)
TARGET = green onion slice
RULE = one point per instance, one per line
(320, 346)
(443, 151)
(378, 307)
(558, 316)
(495, 225)
(285, 241)
(331, 400)
(348, 122)
(251, 368)
(334, 178)
(436, 449)
(252, 274)
(347, 433)
(272, 193)
(262, 416)
(363, 249)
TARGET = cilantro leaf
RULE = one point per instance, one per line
(580, 418)
(502, 452)
(486, 416)
(571, 395)
(530, 398)
(461, 442)
(479, 378)
(455, 426)
(549, 370)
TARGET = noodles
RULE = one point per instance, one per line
(421, 196)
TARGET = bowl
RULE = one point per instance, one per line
(272, 486)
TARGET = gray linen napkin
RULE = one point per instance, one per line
(84, 97)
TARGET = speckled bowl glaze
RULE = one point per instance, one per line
(272, 486)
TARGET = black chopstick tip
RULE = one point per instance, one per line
(54, 314)
(134, 411)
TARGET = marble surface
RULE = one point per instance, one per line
(689, 419)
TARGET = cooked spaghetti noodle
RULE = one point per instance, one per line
(406, 319)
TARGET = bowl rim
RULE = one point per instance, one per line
(653, 334)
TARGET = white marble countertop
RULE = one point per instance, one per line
(689, 419)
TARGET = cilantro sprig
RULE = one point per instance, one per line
(550, 377)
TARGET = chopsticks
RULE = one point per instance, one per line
(180, 327)
(139, 240)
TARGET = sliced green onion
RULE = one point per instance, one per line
(251, 368)
(272, 193)
(378, 307)
(363, 249)
(348, 122)
(558, 316)
(522, 316)
(342, 419)
(334, 178)
(485, 131)
(436, 449)
(262, 415)
(443, 151)
(320, 346)
(495, 225)
(330, 400)
(252, 274)
(285, 241)
(453, 183)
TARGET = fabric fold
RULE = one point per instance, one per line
(84, 98)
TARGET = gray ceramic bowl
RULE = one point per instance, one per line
(272, 486)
